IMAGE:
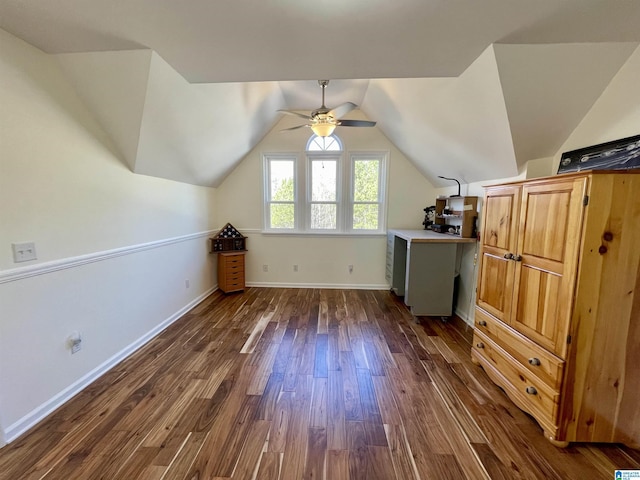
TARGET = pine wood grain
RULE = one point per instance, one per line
(285, 384)
(566, 351)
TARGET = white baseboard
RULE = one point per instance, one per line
(335, 286)
(39, 413)
(464, 316)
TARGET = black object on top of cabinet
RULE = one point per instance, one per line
(228, 239)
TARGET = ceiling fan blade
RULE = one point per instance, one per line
(294, 128)
(356, 123)
(289, 112)
(342, 110)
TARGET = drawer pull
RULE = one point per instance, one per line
(517, 258)
(534, 361)
(531, 390)
(482, 323)
(508, 256)
(480, 345)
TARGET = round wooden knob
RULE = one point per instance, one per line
(480, 345)
(531, 390)
(534, 361)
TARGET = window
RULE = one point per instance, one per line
(340, 193)
(323, 191)
(280, 192)
(367, 194)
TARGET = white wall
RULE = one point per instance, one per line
(615, 115)
(114, 248)
(455, 127)
(549, 87)
(322, 261)
(153, 115)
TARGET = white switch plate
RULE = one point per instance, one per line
(23, 252)
(75, 342)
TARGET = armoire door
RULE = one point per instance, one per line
(546, 260)
(498, 239)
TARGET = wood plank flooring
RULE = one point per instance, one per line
(300, 384)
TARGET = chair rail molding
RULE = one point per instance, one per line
(44, 268)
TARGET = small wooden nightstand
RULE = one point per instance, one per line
(231, 271)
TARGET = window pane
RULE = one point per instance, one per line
(323, 144)
(365, 216)
(282, 215)
(323, 215)
(365, 182)
(282, 188)
(330, 144)
(323, 180)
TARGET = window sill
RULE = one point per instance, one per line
(328, 234)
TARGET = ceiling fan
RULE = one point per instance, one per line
(324, 121)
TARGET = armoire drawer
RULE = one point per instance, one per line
(544, 365)
(525, 389)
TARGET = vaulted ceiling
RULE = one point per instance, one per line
(466, 88)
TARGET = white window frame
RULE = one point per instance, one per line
(344, 195)
(381, 157)
(266, 175)
(319, 156)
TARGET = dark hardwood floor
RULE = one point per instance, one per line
(300, 383)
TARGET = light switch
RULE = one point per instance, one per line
(23, 252)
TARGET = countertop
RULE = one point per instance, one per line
(428, 236)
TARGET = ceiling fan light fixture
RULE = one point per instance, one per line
(323, 121)
(323, 129)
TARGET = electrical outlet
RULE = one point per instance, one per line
(24, 252)
(265, 268)
(295, 268)
(350, 269)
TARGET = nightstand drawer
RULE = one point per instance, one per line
(233, 269)
(231, 276)
(235, 276)
(233, 260)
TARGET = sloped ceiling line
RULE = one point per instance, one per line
(113, 85)
(548, 89)
(514, 103)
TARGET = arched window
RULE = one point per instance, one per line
(324, 144)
